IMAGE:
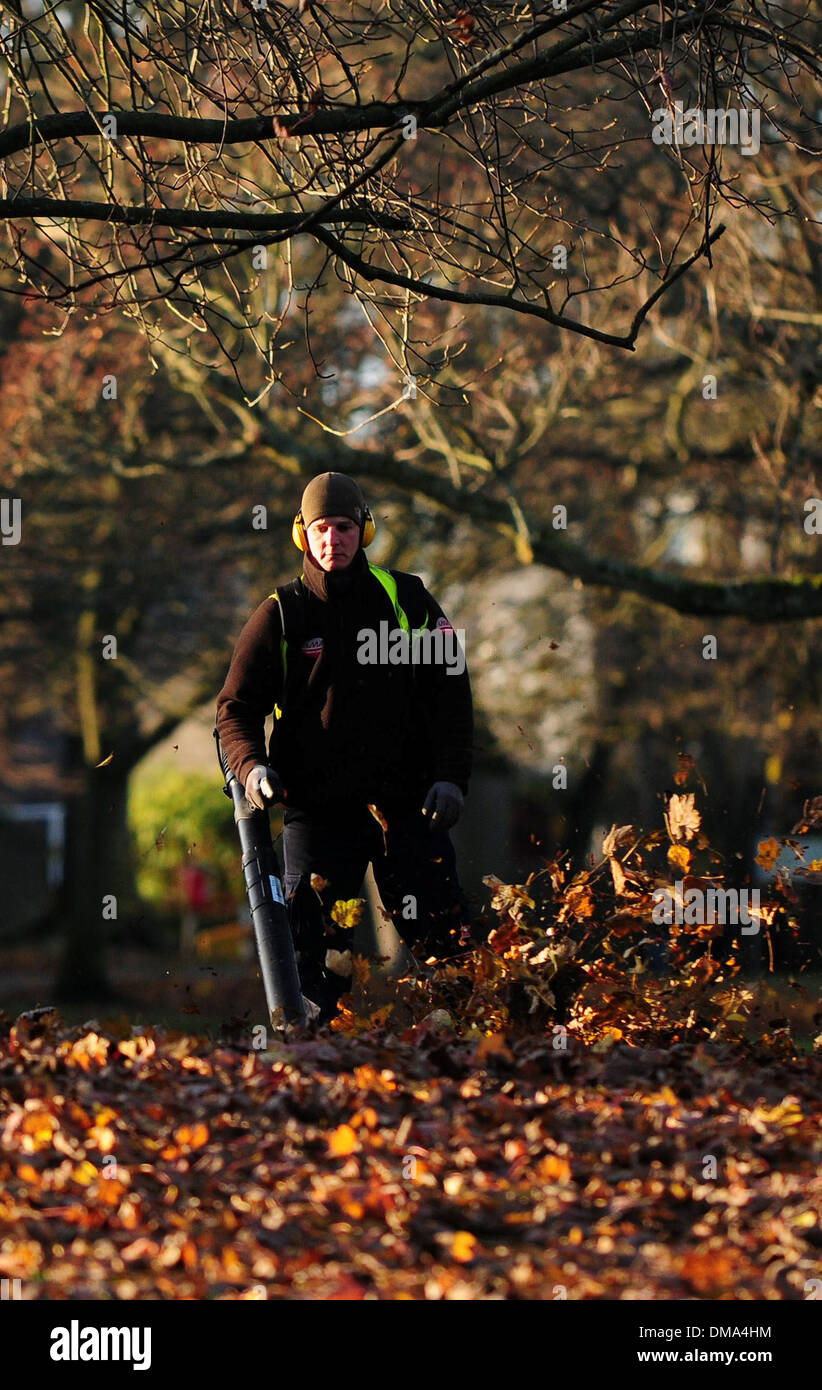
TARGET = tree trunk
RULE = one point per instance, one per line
(99, 870)
(583, 806)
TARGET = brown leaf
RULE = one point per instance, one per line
(617, 838)
(811, 818)
(768, 851)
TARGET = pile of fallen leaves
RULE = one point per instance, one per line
(585, 955)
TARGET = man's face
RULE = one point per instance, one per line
(333, 541)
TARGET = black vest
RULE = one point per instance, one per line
(352, 729)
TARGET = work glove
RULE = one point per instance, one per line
(443, 805)
(262, 785)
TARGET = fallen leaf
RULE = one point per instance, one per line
(343, 1141)
(463, 1246)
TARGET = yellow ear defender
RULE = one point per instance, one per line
(298, 535)
(368, 530)
(369, 527)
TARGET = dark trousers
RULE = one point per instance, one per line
(415, 871)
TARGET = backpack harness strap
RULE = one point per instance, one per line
(291, 603)
(389, 583)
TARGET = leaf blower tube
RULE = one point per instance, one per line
(272, 933)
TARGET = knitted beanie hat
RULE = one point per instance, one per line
(332, 494)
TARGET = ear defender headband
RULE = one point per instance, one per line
(368, 530)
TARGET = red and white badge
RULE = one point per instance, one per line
(443, 625)
(312, 646)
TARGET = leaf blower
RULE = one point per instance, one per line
(272, 933)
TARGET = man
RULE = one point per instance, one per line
(371, 747)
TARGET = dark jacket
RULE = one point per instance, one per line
(351, 733)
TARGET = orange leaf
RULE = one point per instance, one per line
(580, 901)
(367, 1117)
(102, 1138)
(709, 1271)
(139, 1049)
(554, 1169)
(193, 1136)
(129, 1214)
(680, 857)
(38, 1126)
(769, 852)
(349, 1204)
(85, 1173)
(463, 1246)
(110, 1192)
(232, 1263)
(89, 1049)
(343, 1141)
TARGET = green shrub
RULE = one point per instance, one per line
(183, 818)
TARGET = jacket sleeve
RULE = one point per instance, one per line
(449, 702)
(252, 688)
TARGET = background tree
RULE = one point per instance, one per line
(552, 202)
(118, 599)
(356, 110)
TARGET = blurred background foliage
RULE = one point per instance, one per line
(177, 820)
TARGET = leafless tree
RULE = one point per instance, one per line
(430, 153)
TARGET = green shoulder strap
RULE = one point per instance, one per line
(389, 583)
(291, 601)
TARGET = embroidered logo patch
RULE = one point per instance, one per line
(312, 646)
(443, 625)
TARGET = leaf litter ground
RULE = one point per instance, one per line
(556, 1113)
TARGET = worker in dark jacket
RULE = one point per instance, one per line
(370, 750)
